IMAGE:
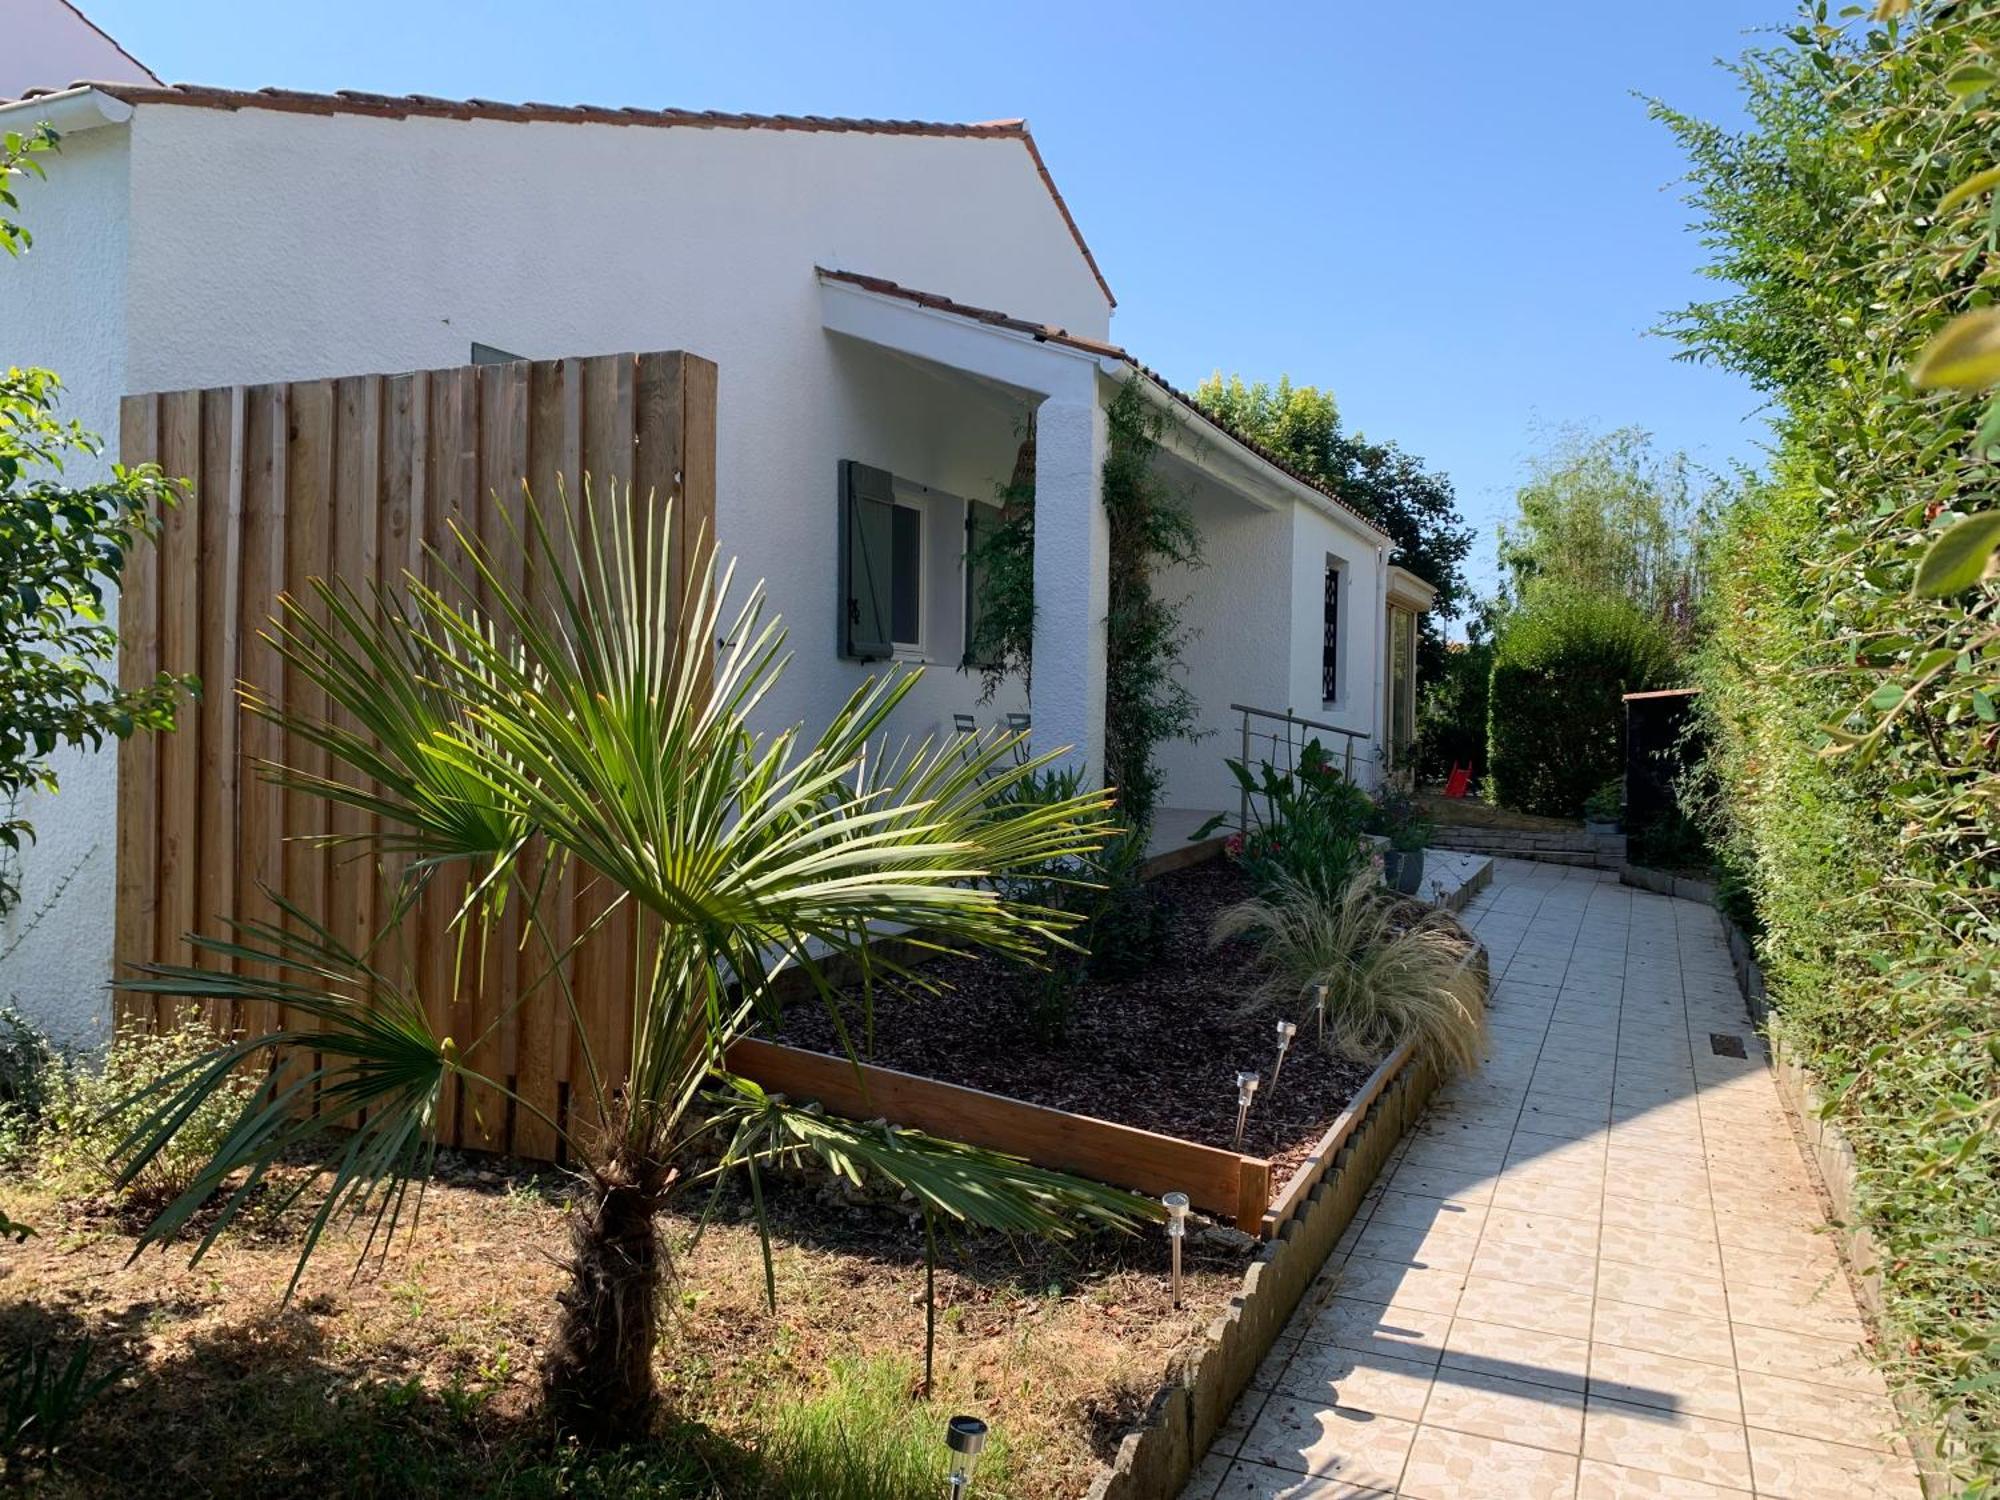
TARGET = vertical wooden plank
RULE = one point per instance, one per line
(695, 518)
(182, 899)
(309, 539)
(355, 507)
(259, 848)
(138, 888)
(221, 546)
(431, 943)
(606, 963)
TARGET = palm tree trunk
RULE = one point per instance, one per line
(598, 1376)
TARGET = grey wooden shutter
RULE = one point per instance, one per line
(867, 536)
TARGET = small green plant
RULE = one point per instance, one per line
(43, 1392)
(1394, 970)
(864, 1438)
(87, 1113)
(1606, 803)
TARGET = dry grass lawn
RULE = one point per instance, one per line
(418, 1376)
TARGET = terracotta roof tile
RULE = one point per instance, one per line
(401, 106)
(1050, 334)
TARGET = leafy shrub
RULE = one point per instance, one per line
(89, 1112)
(1556, 719)
(1305, 823)
(1123, 922)
(863, 1438)
(26, 1060)
(1395, 970)
(1606, 803)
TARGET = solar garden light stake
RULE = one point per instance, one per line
(1319, 1004)
(1246, 1090)
(963, 1438)
(1286, 1031)
(1176, 1205)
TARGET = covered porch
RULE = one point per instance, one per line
(1287, 611)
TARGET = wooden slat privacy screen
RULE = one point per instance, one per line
(352, 478)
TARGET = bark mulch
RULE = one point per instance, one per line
(1159, 1050)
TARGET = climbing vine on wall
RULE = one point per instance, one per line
(1147, 701)
(1146, 698)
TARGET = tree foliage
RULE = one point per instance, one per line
(1606, 513)
(62, 546)
(1561, 666)
(1301, 424)
(1851, 673)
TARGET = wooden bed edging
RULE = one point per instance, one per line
(1314, 1167)
(1220, 1182)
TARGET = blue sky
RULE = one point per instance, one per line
(1455, 215)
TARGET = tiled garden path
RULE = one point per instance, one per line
(1593, 1269)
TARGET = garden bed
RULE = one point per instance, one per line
(420, 1378)
(1158, 1050)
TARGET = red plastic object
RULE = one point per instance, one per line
(1460, 783)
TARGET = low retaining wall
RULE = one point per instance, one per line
(1831, 1158)
(1661, 883)
(1603, 851)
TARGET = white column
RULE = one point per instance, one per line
(1072, 572)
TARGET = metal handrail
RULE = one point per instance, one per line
(1289, 720)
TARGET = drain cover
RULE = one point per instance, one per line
(1726, 1046)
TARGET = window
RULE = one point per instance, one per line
(981, 521)
(1402, 680)
(890, 535)
(1329, 648)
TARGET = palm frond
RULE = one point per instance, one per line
(364, 1108)
(968, 1184)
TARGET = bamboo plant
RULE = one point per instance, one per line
(587, 720)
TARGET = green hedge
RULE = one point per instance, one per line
(1853, 721)
(1555, 716)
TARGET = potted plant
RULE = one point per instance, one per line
(1397, 818)
(1601, 810)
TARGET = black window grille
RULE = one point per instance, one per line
(1329, 650)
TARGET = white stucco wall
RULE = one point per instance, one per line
(268, 246)
(1315, 536)
(1240, 651)
(61, 306)
(49, 46)
(1256, 611)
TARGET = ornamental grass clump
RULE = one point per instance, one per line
(1395, 970)
(586, 722)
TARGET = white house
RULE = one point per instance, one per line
(889, 304)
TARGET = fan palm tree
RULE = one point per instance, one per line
(584, 720)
